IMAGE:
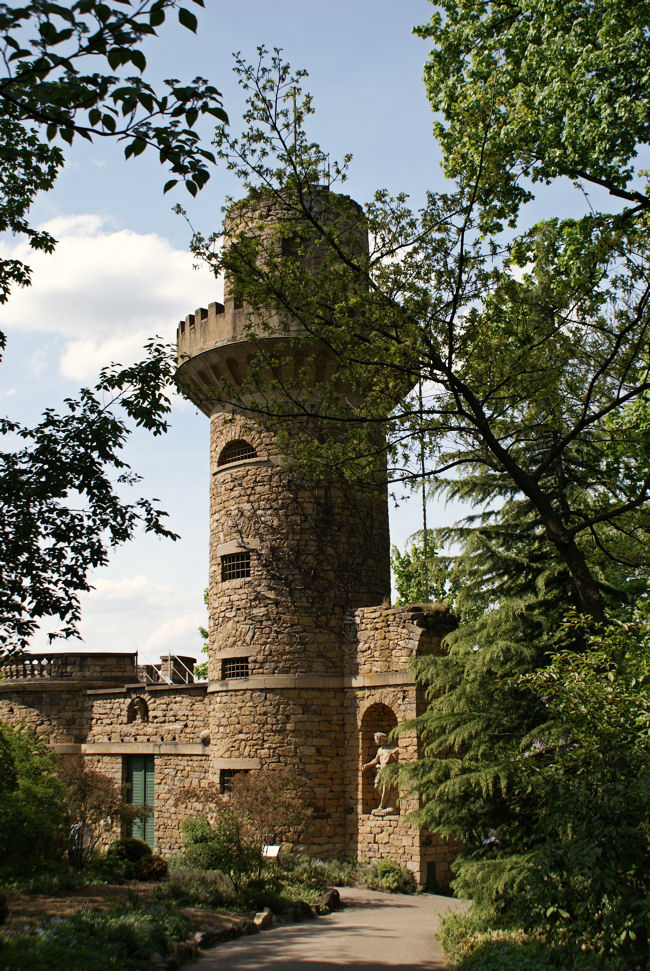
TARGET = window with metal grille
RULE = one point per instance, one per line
(234, 667)
(235, 565)
(236, 451)
(226, 777)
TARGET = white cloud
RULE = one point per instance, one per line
(135, 613)
(104, 291)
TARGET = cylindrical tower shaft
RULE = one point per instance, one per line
(289, 557)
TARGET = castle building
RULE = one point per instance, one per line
(308, 663)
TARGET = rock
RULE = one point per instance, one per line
(330, 899)
(263, 919)
(206, 939)
(299, 911)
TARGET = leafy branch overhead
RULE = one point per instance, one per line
(76, 70)
(532, 350)
(61, 510)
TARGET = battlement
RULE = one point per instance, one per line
(219, 325)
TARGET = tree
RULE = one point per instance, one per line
(533, 91)
(66, 75)
(61, 511)
(47, 100)
(270, 805)
(422, 575)
(32, 804)
(516, 364)
(528, 349)
(94, 804)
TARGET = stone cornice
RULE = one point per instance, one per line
(375, 679)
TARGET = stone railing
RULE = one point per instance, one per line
(69, 667)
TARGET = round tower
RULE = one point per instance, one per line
(290, 557)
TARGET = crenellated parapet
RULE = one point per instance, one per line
(217, 345)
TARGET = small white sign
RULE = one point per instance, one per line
(271, 851)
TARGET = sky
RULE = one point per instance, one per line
(122, 272)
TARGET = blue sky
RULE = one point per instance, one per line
(122, 271)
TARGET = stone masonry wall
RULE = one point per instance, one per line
(57, 714)
(316, 552)
(299, 728)
(175, 714)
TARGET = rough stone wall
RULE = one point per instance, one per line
(384, 638)
(316, 552)
(175, 714)
(297, 727)
(174, 778)
(58, 714)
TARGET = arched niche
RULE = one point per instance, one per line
(137, 711)
(378, 718)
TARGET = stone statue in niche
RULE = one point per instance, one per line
(386, 753)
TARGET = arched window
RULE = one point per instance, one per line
(236, 451)
(138, 711)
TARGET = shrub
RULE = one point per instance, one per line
(203, 888)
(4, 910)
(390, 877)
(471, 946)
(150, 868)
(222, 846)
(128, 850)
(120, 940)
(320, 874)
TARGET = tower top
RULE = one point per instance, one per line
(299, 244)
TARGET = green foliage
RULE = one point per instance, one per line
(539, 90)
(321, 874)
(62, 510)
(77, 70)
(122, 939)
(472, 947)
(419, 578)
(569, 861)
(188, 885)
(129, 858)
(4, 910)
(128, 849)
(390, 877)
(221, 846)
(201, 669)
(94, 803)
(151, 868)
(33, 814)
(487, 360)
(318, 874)
(60, 879)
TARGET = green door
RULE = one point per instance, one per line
(139, 780)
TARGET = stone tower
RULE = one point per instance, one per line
(290, 559)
